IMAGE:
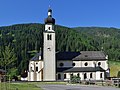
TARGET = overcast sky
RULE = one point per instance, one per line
(71, 13)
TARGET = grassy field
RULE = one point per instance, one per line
(19, 86)
(114, 68)
(26, 85)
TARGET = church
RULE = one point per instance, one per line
(60, 66)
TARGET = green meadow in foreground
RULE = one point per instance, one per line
(19, 86)
(26, 85)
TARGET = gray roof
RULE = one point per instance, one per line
(80, 69)
(1, 70)
(36, 57)
(66, 55)
(91, 55)
(83, 55)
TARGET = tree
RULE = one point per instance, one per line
(8, 57)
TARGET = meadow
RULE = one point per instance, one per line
(19, 86)
(114, 68)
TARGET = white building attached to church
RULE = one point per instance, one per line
(60, 66)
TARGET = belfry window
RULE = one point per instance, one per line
(49, 37)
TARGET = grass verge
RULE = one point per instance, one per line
(19, 86)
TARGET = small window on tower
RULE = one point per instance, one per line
(47, 36)
(48, 28)
(50, 37)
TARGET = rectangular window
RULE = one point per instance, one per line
(90, 75)
(101, 75)
(64, 76)
(36, 68)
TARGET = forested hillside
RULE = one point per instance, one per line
(24, 40)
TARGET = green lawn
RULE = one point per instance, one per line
(114, 68)
(26, 85)
(19, 86)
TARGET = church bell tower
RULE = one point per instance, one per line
(49, 70)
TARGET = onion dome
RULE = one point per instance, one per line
(49, 19)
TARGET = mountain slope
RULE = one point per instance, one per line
(26, 39)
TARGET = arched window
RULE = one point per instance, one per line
(99, 63)
(64, 76)
(36, 69)
(85, 75)
(101, 75)
(90, 75)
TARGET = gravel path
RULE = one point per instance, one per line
(76, 87)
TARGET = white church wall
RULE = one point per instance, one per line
(98, 75)
(77, 64)
(32, 70)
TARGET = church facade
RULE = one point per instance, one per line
(60, 66)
